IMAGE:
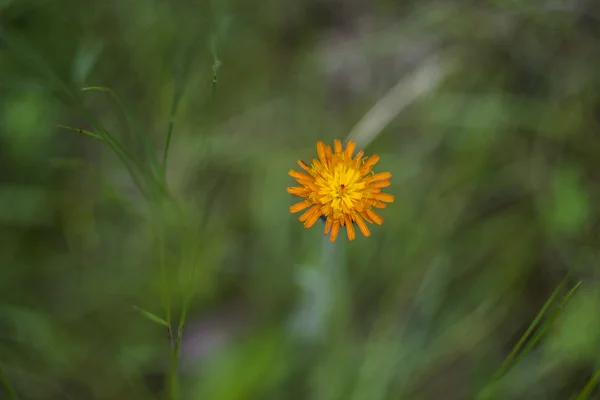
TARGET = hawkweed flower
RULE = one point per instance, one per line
(340, 188)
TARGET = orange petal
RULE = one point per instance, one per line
(328, 224)
(335, 159)
(299, 206)
(313, 218)
(379, 204)
(388, 198)
(362, 226)
(380, 184)
(337, 145)
(350, 148)
(328, 153)
(311, 185)
(375, 217)
(300, 175)
(322, 152)
(334, 231)
(304, 166)
(358, 159)
(298, 190)
(381, 176)
(307, 214)
(350, 228)
(368, 165)
(366, 217)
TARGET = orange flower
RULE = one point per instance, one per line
(340, 188)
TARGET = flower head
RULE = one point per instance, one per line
(341, 188)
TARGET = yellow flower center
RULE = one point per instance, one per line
(340, 187)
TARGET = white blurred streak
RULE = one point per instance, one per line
(423, 81)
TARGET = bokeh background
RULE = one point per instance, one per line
(487, 114)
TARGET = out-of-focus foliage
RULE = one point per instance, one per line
(495, 174)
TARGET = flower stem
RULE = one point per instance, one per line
(173, 378)
(174, 107)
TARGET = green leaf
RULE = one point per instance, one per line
(151, 316)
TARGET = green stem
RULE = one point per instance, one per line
(7, 386)
(173, 383)
(174, 108)
(173, 377)
(589, 387)
(214, 83)
(164, 282)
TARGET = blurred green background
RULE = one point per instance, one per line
(492, 137)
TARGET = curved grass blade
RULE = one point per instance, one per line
(589, 387)
(82, 131)
(508, 361)
(151, 317)
(131, 122)
(29, 57)
(544, 328)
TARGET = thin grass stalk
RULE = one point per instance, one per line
(165, 290)
(177, 94)
(190, 255)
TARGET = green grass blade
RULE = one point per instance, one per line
(133, 126)
(82, 131)
(151, 317)
(547, 324)
(23, 52)
(177, 95)
(507, 362)
(589, 387)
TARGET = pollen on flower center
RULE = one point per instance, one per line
(341, 188)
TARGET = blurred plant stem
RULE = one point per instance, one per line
(6, 384)
(173, 378)
(214, 82)
(589, 387)
(186, 259)
(164, 283)
(177, 94)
